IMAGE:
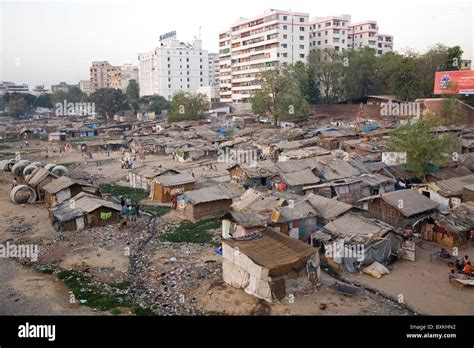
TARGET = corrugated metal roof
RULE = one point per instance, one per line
(62, 183)
(352, 225)
(454, 186)
(38, 176)
(410, 201)
(209, 194)
(83, 204)
(302, 177)
(174, 180)
(327, 208)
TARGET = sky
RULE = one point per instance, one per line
(45, 42)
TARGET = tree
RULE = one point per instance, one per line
(327, 66)
(108, 101)
(453, 58)
(75, 95)
(44, 101)
(19, 103)
(133, 95)
(280, 96)
(406, 81)
(422, 148)
(360, 73)
(17, 107)
(186, 106)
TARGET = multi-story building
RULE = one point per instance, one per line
(330, 32)
(273, 38)
(173, 66)
(85, 86)
(10, 87)
(225, 70)
(339, 33)
(62, 86)
(99, 72)
(214, 71)
(366, 34)
(39, 90)
(120, 76)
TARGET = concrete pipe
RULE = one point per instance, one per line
(7, 165)
(38, 164)
(60, 170)
(29, 169)
(49, 167)
(16, 194)
(19, 166)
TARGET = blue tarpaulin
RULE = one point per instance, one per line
(369, 128)
(221, 132)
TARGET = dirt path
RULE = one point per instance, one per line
(24, 291)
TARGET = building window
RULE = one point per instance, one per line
(301, 28)
(169, 72)
(301, 47)
(169, 86)
(301, 20)
(169, 66)
(319, 42)
(325, 41)
(319, 26)
(319, 34)
(301, 37)
(285, 36)
(301, 56)
(285, 18)
(169, 59)
(285, 27)
(284, 45)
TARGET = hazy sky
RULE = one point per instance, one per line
(44, 42)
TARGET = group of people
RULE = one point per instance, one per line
(130, 211)
(126, 163)
(464, 266)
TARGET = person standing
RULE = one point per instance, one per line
(175, 202)
(133, 213)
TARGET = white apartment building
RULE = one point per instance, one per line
(85, 86)
(10, 87)
(366, 34)
(339, 33)
(225, 70)
(256, 44)
(173, 66)
(99, 72)
(330, 32)
(214, 70)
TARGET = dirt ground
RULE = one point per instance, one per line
(424, 284)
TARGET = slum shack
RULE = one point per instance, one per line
(164, 188)
(352, 242)
(346, 190)
(249, 176)
(327, 209)
(83, 212)
(297, 220)
(271, 266)
(452, 229)
(38, 179)
(402, 209)
(448, 193)
(63, 188)
(143, 177)
(294, 182)
(238, 224)
(207, 203)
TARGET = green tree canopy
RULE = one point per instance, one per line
(186, 106)
(423, 149)
(133, 95)
(108, 101)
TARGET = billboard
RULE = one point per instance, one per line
(454, 82)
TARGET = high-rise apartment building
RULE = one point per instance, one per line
(120, 76)
(214, 70)
(99, 75)
(256, 44)
(366, 34)
(85, 86)
(173, 66)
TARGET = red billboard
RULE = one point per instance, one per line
(454, 82)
